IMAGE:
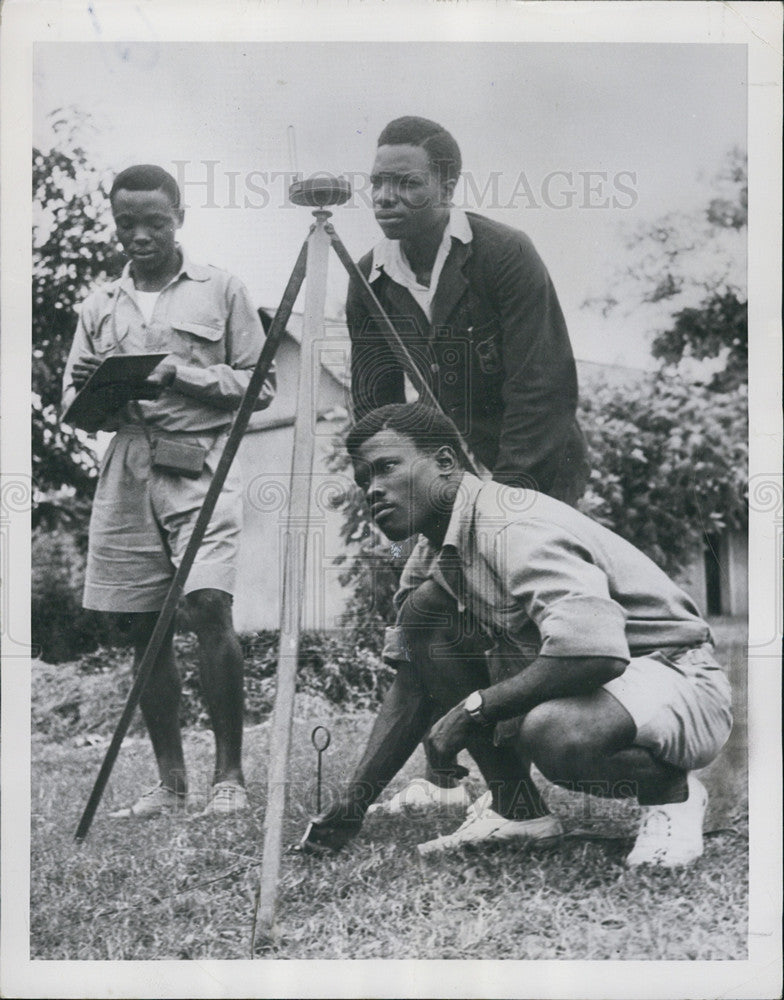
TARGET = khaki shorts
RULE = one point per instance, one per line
(680, 703)
(141, 523)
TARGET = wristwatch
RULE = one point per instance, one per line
(474, 704)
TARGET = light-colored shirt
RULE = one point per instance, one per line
(203, 320)
(532, 570)
(146, 301)
(388, 255)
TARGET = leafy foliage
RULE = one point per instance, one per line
(60, 627)
(683, 258)
(73, 250)
(330, 668)
(717, 329)
(686, 272)
(669, 464)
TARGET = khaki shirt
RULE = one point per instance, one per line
(532, 570)
(204, 320)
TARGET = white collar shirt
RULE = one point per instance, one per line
(388, 257)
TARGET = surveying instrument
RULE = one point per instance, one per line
(317, 192)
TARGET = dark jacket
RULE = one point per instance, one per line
(497, 356)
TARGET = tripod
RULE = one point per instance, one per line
(312, 261)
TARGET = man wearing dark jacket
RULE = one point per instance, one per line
(475, 306)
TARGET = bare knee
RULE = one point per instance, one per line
(429, 606)
(555, 741)
(209, 610)
(431, 625)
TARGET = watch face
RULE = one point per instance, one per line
(473, 702)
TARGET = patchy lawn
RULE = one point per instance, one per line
(183, 887)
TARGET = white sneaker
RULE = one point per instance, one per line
(420, 795)
(155, 801)
(671, 834)
(226, 799)
(484, 826)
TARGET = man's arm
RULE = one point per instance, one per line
(545, 679)
(224, 385)
(540, 384)
(81, 361)
(555, 582)
(401, 723)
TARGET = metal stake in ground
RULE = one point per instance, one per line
(320, 738)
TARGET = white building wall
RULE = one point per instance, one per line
(266, 460)
(692, 580)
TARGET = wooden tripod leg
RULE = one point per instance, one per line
(294, 576)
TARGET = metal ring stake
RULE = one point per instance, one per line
(320, 738)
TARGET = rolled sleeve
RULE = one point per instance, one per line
(553, 581)
(584, 626)
(418, 568)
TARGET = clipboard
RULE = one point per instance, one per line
(117, 380)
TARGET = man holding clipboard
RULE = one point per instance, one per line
(161, 357)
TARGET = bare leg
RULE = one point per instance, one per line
(221, 674)
(587, 744)
(160, 703)
(400, 724)
(451, 665)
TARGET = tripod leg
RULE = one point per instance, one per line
(294, 577)
(166, 614)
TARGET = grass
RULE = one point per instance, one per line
(183, 887)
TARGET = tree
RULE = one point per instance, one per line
(73, 249)
(685, 431)
(716, 330)
(687, 273)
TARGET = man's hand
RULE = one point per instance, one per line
(83, 369)
(448, 735)
(161, 378)
(333, 828)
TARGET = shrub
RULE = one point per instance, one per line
(331, 666)
(669, 464)
(87, 697)
(61, 628)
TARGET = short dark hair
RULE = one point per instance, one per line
(441, 148)
(428, 428)
(146, 177)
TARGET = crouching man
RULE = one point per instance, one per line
(589, 661)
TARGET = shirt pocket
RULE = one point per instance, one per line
(200, 340)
